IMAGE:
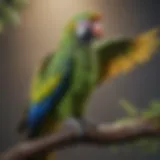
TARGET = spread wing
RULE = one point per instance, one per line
(46, 92)
(122, 55)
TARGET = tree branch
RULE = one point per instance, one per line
(107, 134)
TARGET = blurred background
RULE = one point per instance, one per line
(42, 21)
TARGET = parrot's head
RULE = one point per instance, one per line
(85, 26)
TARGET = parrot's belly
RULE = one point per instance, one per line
(74, 101)
(85, 84)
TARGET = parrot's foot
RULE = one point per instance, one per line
(75, 123)
(80, 125)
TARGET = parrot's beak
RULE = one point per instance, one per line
(97, 29)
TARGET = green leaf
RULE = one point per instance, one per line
(148, 145)
(20, 4)
(129, 108)
(153, 109)
(10, 16)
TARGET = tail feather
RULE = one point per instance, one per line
(42, 156)
(22, 126)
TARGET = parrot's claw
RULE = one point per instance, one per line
(79, 124)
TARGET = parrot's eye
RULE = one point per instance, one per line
(83, 30)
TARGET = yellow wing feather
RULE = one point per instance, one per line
(142, 49)
(40, 88)
(40, 91)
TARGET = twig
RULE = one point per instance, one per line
(107, 134)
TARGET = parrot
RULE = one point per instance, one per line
(83, 60)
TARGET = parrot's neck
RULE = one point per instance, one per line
(70, 41)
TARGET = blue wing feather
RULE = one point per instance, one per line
(39, 110)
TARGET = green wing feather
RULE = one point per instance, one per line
(42, 85)
(40, 69)
(121, 55)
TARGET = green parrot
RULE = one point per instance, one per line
(66, 77)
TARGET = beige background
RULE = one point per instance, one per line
(39, 32)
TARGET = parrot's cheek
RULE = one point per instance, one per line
(97, 30)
